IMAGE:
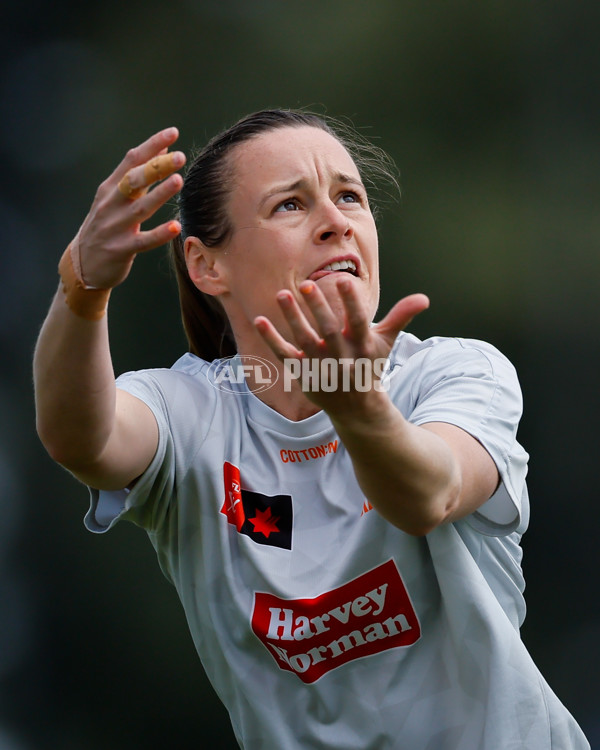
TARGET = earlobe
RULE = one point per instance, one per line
(203, 267)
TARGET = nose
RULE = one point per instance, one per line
(331, 224)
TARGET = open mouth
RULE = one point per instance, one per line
(348, 266)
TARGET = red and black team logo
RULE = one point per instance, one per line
(266, 520)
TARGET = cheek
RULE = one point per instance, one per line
(373, 252)
(370, 237)
(272, 249)
(375, 282)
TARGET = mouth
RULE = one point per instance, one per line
(342, 265)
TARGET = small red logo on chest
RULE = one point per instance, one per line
(266, 519)
(310, 637)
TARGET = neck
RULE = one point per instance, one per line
(285, 395)
(291, 404)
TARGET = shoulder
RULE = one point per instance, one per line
(188, 371)
(410, 349)
(454, 374)
(192, 391)
(175, 394)
(442, 359)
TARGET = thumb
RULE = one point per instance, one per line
(401, 314)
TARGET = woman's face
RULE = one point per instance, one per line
(299, 211)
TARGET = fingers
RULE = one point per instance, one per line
(328, 335)
(138, 179)
(280, 347)
(355, 327)
(329, 332)
(145, 207)
(401, 314)
(328, 323)
(135, 212)
(356, 321)
(153, 146)
(156, 237)
(306, 337)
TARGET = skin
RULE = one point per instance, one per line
(297, 203)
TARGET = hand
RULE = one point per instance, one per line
(328, 338)
(110, 236)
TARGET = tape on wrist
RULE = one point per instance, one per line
(86, 302)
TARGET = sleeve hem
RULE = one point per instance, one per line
(106, 509)
(501, 503)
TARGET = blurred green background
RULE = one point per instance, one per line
(491, 110)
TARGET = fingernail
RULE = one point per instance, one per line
(307, 288)
(174, 227)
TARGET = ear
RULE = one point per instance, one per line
(204, 267)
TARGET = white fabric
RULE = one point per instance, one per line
(355, 635)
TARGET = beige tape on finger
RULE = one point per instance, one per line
(125, 188)
(154, 170)
(158, 168)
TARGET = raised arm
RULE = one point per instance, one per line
(104, 436)
(417, 477)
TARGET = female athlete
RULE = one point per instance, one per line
(338, 504)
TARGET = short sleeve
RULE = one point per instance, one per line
(470, 384)
(146, 503)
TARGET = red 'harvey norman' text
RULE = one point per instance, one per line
(315, 451)
(310, 637)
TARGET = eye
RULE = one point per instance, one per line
(291, 204)
(350, 197)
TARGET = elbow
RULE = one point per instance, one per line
(431, 513)
(69, 453)
(47, 438)
(419, 527)
(416, 524)
(442, 507)
(56, 448)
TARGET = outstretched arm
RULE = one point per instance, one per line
(104, 436)
(417, 477)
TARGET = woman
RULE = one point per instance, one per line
(344, 537)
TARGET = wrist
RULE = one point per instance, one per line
(372, 409)
(84, 301)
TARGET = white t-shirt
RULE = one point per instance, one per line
(320, 624)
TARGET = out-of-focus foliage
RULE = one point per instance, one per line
(490, 109)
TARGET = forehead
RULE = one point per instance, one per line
(290, 153)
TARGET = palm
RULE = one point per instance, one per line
(356, 341)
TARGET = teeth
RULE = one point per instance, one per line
(342, 265)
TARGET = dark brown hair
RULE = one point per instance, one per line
(203, 214)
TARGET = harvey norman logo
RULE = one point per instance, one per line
(310, 637)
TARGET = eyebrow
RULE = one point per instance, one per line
(301, 184)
